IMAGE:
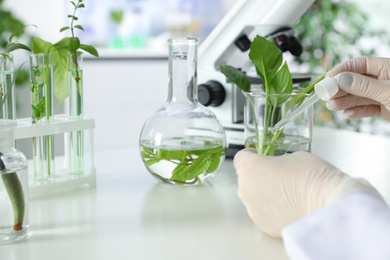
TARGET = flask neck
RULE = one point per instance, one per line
(183, 71)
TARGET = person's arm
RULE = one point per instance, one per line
(355, 227)
(280, 190)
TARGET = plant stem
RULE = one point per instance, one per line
(15, 192)
(48, 113)
(266, 116)
(275, 137)
(255, 122)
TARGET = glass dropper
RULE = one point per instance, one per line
(325, 90)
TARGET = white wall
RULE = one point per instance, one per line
(120, 96)
(48, 15)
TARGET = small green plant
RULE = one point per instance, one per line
(11, 180)
(7, 82)
(38, 84)
(275, 74)
(60, 51)
(188, 164)
(74, 42)
(15, 192)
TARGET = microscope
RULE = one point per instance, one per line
(229, 43)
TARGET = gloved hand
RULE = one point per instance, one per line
(362, 94)
(280, 190)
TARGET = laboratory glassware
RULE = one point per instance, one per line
(14, 223)
(7, 80)
(182, 143)
(75, 138)
(41, 81)
(263, 111)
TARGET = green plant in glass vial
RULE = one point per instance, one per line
(11, 181)
(14, 185)
(60, 51)
(41, 79)
(66, 55)
(8, 77)
(277, 85)
(74, 46)
(11, 25)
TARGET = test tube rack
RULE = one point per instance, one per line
(62, 179)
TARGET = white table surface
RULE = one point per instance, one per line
(130, 215)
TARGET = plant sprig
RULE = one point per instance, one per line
(13, 45)
(61, 49)
(11, 180)
(10, 47)
(74, 42)
(275, 74)
(16, 195)
(189, 163)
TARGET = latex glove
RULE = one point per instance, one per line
(362, 94)
(280, 190)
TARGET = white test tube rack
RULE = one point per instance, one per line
(62, 179)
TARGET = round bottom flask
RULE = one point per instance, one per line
(182, 142)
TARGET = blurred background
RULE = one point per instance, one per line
(129, 80)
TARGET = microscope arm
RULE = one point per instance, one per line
(250, 18)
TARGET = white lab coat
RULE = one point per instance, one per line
(355, 227)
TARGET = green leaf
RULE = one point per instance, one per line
(172, 154)
(152, 161)
(185, 172)
(41, 105)
(64, 28)
(40, 46)
(216, 159)
(79, 27)
(19, 32)
(147, 153)
(266, 57)
(81, 6)
(16, 46)
(60, 63)
(180, 173)
(281, 83)
(90, 49)
(38, 111)
(35, 112)
(74, 44)
(198, 166)
(237, 77)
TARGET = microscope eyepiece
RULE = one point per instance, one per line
(286, 41)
